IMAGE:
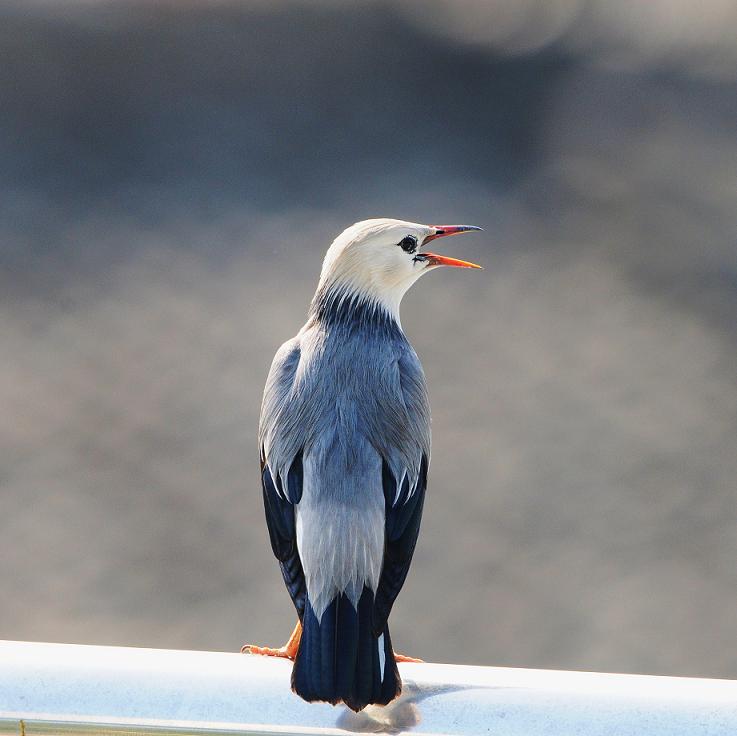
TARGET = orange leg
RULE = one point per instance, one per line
(405, 658)
(288, 651)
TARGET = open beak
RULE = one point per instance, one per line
(442, 231)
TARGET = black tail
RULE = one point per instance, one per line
(339, 660)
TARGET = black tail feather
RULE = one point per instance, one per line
(338, 658)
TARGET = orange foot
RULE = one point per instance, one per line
(288, 651)
(405, 658)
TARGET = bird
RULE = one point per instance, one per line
(344, 445)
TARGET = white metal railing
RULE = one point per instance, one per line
(72, 690)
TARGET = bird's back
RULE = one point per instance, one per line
(349, 399)
(341, 381)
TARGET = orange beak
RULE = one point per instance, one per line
(442, 231)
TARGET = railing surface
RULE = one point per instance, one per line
(70, 690)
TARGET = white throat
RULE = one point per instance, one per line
(368, 287)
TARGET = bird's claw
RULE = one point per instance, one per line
(267, 651)
(405, 658)
(288, 651)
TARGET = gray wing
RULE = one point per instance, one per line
(281, 490)
(404, 501)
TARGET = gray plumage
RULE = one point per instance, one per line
(348, 392)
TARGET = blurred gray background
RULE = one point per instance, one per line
(170, 176)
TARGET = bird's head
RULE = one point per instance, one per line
(380, 259)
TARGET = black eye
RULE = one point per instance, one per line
(408, 244)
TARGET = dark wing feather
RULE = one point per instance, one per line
(402, 527)
(280, 521)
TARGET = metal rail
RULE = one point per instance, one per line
(72, 690)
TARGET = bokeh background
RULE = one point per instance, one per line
(170, 176)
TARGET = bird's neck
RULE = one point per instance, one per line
(339, 305)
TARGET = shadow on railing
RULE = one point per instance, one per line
(401, 715)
